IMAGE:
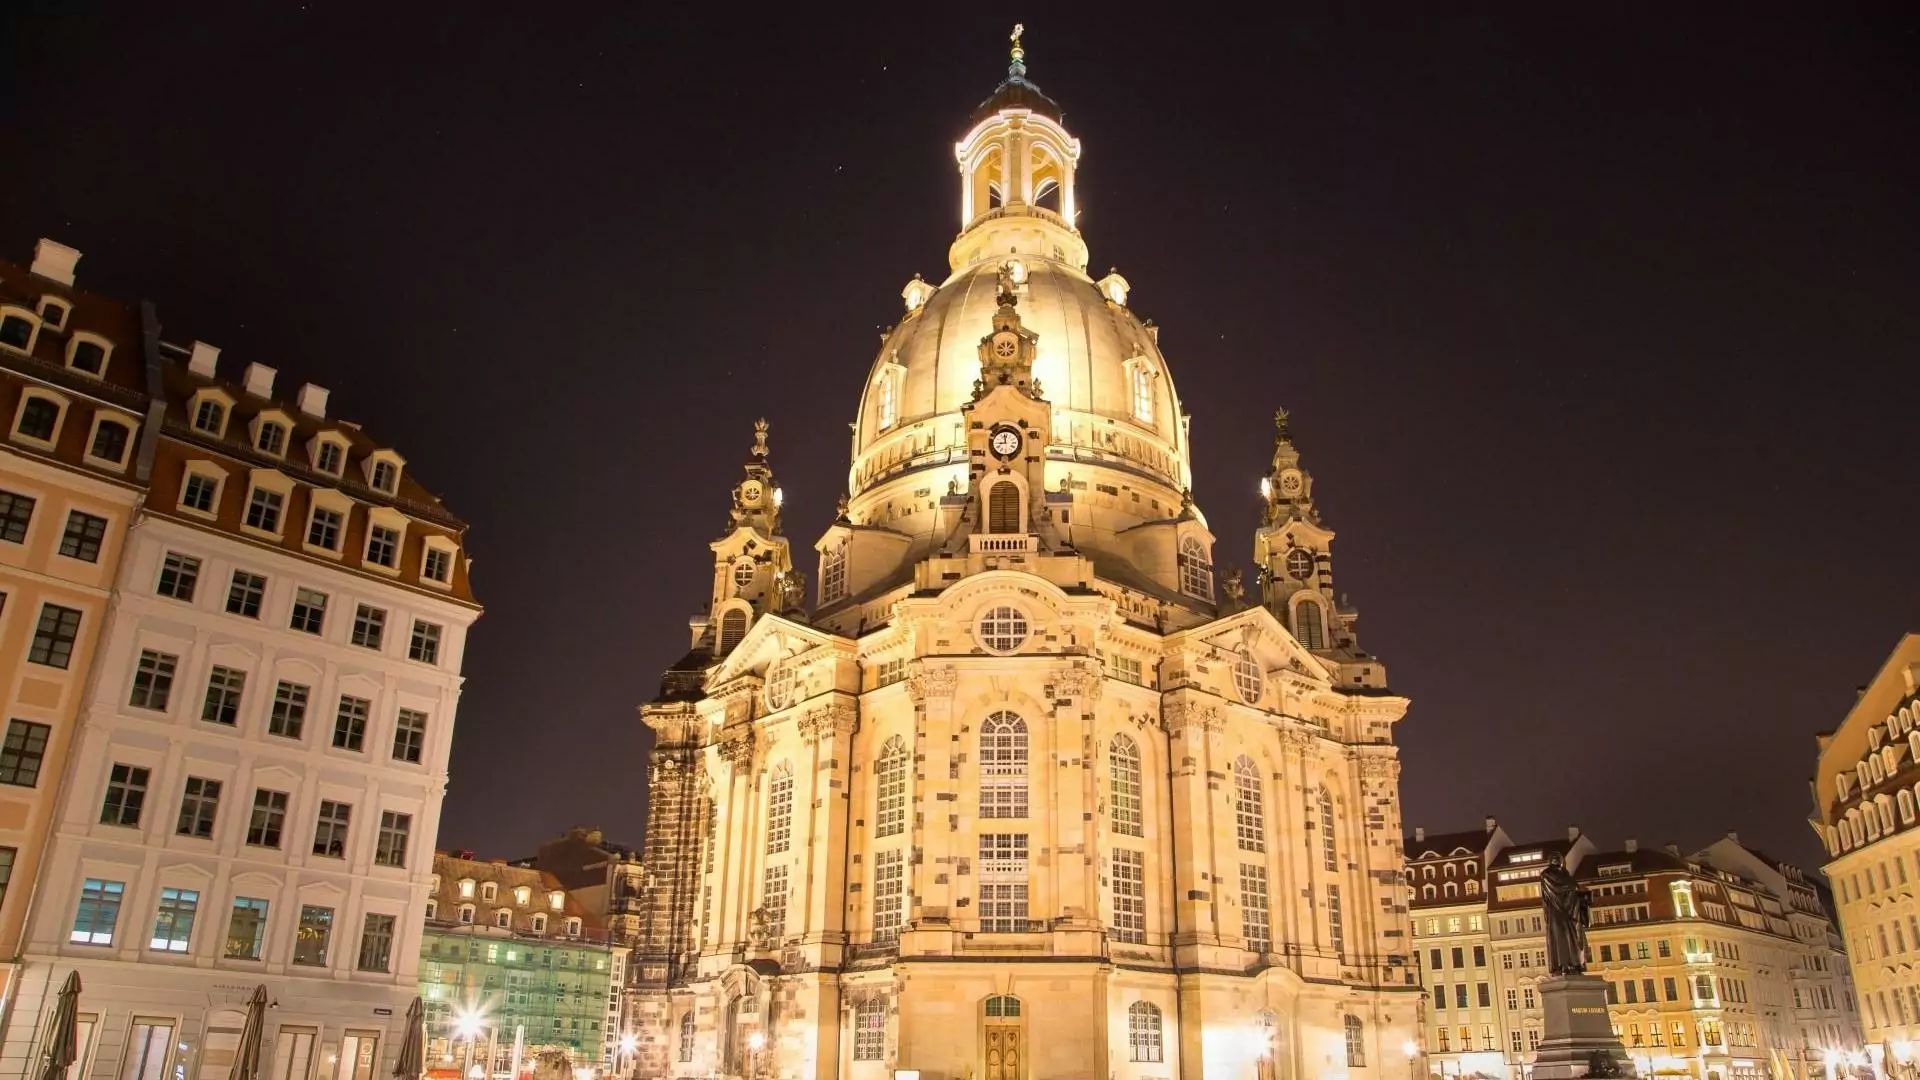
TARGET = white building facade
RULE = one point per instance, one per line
(261, 757)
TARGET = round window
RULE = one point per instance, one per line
(743, 573)
(1247, 679)
(779, 685)
(1003, 629)
(1300, 564)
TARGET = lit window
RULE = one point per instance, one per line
(1196, 571)
(833, 573)
(1142, 386)
(1003, 885)
(1249, 807)
(466, 888)
(1003, 629)
(780, 809)
(890, 784)
(246, 928)
(1124, 775)
(1143, 1031)
(1307, 627)
(1003, 766)
(99, 912)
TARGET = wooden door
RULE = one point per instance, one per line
(1005, 1053)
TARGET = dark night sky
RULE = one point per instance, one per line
(1600, 331)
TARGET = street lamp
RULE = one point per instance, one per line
(468, 1023)
(756, 1042)
(628, 1044)
(1412, 1050)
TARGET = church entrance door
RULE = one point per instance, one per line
(1004, 1039)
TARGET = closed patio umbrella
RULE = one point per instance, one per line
(246, 1061)
(412, 1062)
(63, 1040)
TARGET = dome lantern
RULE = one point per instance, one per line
(1017, 168)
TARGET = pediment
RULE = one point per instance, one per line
(773, 638)
(1256, 631)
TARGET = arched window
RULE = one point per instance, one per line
(1307, 627)
(1249, 812)
(1885, 806)
(1002, 1006)
(1356, 1043)
(1124, 756)
(1003, 766)
(870, 1030)
(1473, 887)
(1449, 890)
(1449, 870)
(686, 1035)
(1196, 572)
(1329, 854)
(1426, 892)
(889, 393)
(890, 789)
(780, 808)
(211, 417)
(733, 627)
(833, 573)
(503, 918)
(1143, 1031)
(1142, 404)
(1003, 507)
(1905, 802)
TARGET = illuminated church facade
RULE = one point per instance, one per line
(1026, 792)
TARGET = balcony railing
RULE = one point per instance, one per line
(1001, 544)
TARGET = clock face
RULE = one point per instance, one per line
(1004, 347)
(750, 492)
(1290, 482)
(1300, 564)
(1004, 443)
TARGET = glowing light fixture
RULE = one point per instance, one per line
(756, 1042)
(468, 1023)
(1266, 488)
(628, 1044)
(1412, 1049)
(779, 498)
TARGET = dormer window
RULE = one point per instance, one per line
(556, 900)
(523, 896)
(466, 888)
(17, 328)
(382, 470)
(210, 416)
(503, 919)
(110, 442)
(53, 312)
(39, 418)
(433, 909)
(489, 891)
(573, 927)
(466, 914)
(271, 438)
(383, 546)
(87, 354)
(436, 561)
(329, 456)
(539, 924)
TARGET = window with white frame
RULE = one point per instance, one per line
(88, 354)
(110, 442)
(329, 456)
(1140, 378)
(1308, 628)
(173, 920)
(436, 564)
(869, 1030)
(888, 394)
(1248, 681)
(1249, 808)
(1356, 1043)
(1143, 1031)
(17, 329)
(39, 417)
(210, 415)
(1003, 629)
(1129, 896)
(1256, 920)
(1329, 844)
(890, 789)
(1196, 570)
(383, 476)
(270, 437)
(780, 808)
(773, 902)
(1124, 776)
(1003, 766)
(1003, 883)
(1336, 926)
(833, 573)
(383, 546)
(200, 491)
(264, 506)
(889, 894)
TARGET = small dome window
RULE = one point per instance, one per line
(1002, 629)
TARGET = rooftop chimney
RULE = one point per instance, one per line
(54, 261)
(1733, 836)
(1419, 832)
(313, 400)
(204, 359)
(1633, 845)
(260, 380)
(1492, 823)
(1573, 833)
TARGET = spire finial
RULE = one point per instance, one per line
(760, 438)
(1280, 419)
(1018, 66)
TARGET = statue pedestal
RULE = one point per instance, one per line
(1578, 1034)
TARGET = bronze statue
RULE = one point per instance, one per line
(1569, 913)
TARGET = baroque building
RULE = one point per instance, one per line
(1027, 792)
(255, 762)
(1865, 789)
(1720, 965)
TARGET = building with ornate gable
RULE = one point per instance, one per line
(1027, 793)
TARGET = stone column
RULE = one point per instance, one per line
(1074, 799)
(932, 790)
(1196, 875)
(731, 897)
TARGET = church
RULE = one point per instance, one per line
(1025, 792)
